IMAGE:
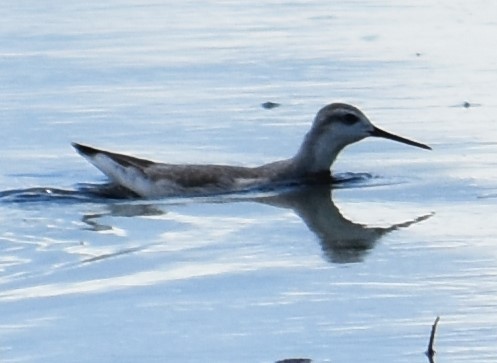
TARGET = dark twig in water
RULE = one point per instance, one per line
(431, 352)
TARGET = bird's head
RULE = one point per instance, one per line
(342, 124)
(336, 126)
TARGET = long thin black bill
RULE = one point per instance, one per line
(386, 135)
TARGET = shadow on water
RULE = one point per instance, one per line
(341, 240)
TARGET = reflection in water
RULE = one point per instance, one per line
(120, 210)
(342, 240)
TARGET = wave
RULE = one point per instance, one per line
(87, 192)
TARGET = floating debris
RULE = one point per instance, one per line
(466, 104)
(269, 105)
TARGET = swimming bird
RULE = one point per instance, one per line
(335, 126)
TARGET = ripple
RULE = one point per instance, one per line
(83, 193)
(95, 193)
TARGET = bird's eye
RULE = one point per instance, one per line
(350, 119)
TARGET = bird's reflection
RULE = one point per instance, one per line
(342, 240)
(120, 210)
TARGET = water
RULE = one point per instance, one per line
(358, 275)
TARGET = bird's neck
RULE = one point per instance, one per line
(316, 154)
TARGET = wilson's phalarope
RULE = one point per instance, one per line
(335, 126)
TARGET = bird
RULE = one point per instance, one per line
(335, 126)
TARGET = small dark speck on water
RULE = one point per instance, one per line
(269, 105)
(295, 360)
(467, 104)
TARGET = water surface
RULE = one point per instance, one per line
(357, 273)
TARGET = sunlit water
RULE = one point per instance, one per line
(355, 275)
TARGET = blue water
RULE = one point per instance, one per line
(358, 273)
